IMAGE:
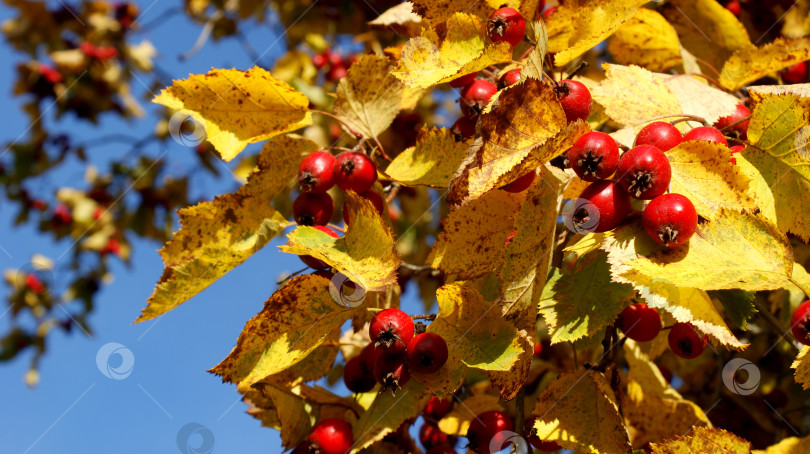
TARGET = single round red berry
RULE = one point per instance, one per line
(734, 7)
(531, 434)
(506, 25)
(476, 96)
(659, 134)
(430, 435)
(336, 73)
(510, 78)
(463, 81)
(463, 129)
(490, 429)
(602, 206)
(34, 284)
(538, 349)
(356, 377)
(391, 329)
(391, 371)
(319, 61)
(334, 58)
(594, 156)
(685, 341)
(315, 173)
(640, 322)
(575, 99)
(369, 356)
(800, 323)
(311, 261)
(331, 436)
(795, 74)
(371, 195)
(644, 172)
(521, 183)
(354, 171)
(427, 353)
(313, 209)
(437, 409)
(670, 220)
(707, 134)
(741, 112)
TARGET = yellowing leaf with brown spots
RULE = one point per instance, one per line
(707, 30)
(537, 57)
(365, 254)
(431, 162)
(369, 97)
(471, 240)
(458, 421)
(582, 24)
(751, 63)
(438, 11)
(647, 40)
(578, 410)
(703, 173)
(294, 321)
(217, 236)
(802, 366)
(238, 108)
(704, 439)
(387, 413)
(427, 60)
(632, 95)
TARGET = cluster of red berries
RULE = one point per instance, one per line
(100, 53)
(393, 353)
(336, 64)
(643, 323)
(432, 438)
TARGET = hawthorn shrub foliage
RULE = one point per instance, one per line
(551, 261)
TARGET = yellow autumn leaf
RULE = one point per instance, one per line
(703, 172)
(387, 413)
(647, 40)
(431, 162)
(573, 405)
(365, 254)
(707, 30)
(468, 252)
(751, 63)
(401, 15)
(238, 108)
(631, 95)
(789, 445)
(697, 97)
(428, 60)
(458, 421)
(369, 97)
(537, 57)
(797, 20)
(802, 366)
(579, 25)
(509, 382)
(217, 236)
(294, 321)
(436, 12)
(704, 439)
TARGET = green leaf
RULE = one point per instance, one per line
(739, 305)
(387, 413)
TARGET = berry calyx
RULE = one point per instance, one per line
(740, 113)
(575, 99)
(371, 195)
(354, 171)
(535, 441)
(313, 209)
(644, 172)
(427, 353)
(706, 133)
(315, 173)
(506, 25)
(603, 205)
(800, 323)
(430, 435)
(685, 341)
(391, 371)
(670, 220)
(489, 429)
(463, 81)
(437, 409)
(391, 330)
(356, 377)
(659, 134)
(312, 262)
(521, 183)
(795, 74)
(510, 78)
(476, 96)
(331, 436)
(594, 156)
(463, 129)
(640, 322)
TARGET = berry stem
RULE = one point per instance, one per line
(415, 268)
(743, 120)
(292, 275)
(682, 117)
(356, 134)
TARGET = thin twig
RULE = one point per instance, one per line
(428, 317)
(774, 322)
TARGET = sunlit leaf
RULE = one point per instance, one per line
(704, 439)
(751, 63)
(388, 412)
(458, 421)
(647, 40)
(632, 95)
(431, 162)
(802, 366)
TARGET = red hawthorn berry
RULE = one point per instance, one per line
(665, 372)
(430, 435)
(594, 156)
(88, 49)
(521, 183)
(391, 330)
(606, 205)
(437, 409)
(506, 25)
(535, 441)
(369, 356)
(51, 75)
(706, 133)
(463, 129)
(685, 341)
(427, 353)
(319, 61)
(334, 59)
(489, 429)
(112, 247)
(659, 134)
(538, 349)
(476, 96)
(313, 209)
(315, 173)
(800, 323)
(510, 78)
(391, 371)
(34, 284)
(670, 220)
(644, 172)
(336, 73)
(356, 377)
(575, 99)
(640, 322)
(62, 215)
(311, 261)
(354, 171)
(740, 113)
(795, 74)
(463, 81)
(104, 53)
(734, 7)
(39, 205)
(331, 436)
